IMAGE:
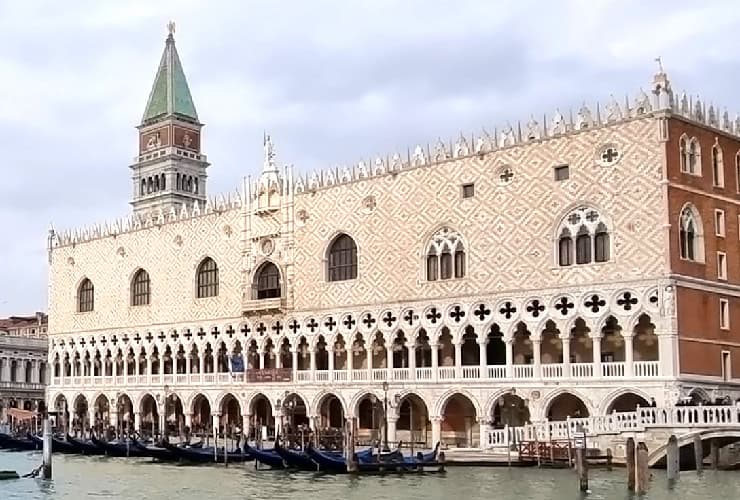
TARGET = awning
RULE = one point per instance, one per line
(19, 414)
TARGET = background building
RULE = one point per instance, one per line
(23, 353)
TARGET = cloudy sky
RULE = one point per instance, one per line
(332, 81)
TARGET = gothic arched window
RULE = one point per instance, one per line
(683, 149)
(694, 157)
(268, 281)
(140, 288)
(86, 296)
(691, 236)
(207, 278)
(601, 243)
(445, 256)
(718, 168)
(565, 248)
(592, 241)
(342, 259)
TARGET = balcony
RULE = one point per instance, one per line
(259, 306)
(573, 372)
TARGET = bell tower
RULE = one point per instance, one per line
(169, 169)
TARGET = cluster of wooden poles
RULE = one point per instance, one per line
(637, 462)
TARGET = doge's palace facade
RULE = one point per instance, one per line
(528, 269)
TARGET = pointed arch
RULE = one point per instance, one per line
(691, 234)
(718, 166)
(683, 148)
(445, 255)
(582, 236)
(267, 281)
(207, 278)
(86, 296)
(140, 291)
(341, 258)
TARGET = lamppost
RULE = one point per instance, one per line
(386, 405)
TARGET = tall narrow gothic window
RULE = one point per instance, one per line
(432, 265)
(565, 248)
(207, 278)
(718, 174)
(583, 246)
(86, 296)
(445, 256)
(140, 288)
(342, 262)
(682, 153)
(601, 244)
(592, 242)
(737, 172)
(694, 157)
(691, 239)
(268, 281)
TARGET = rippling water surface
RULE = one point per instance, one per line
(77, 477)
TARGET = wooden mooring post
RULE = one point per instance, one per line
(673, 467)
(349, 445)
(582, 469)
(641, 469)
(698, 454)
(629, 456)
(609, 459)
(46, 469)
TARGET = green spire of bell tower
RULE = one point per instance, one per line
(170, 93)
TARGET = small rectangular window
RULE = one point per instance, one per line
(724, 314)
(719, 222)
(562, 173)
(468, 190)
(721, 265)
(726, 366)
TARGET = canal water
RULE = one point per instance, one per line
(79, 477)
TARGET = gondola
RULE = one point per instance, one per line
(394, 461)
(118, 449)
(57, 445)
(17, 443)
(296, 459)
(206, 455)
(84, 447)
(154, 451)
(268, 457)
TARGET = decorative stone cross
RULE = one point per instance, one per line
(508, 310)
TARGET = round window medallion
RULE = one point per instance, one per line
(504, 176)
(368, 204)
(608, 155)
(267, 246)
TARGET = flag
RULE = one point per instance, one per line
(237, 363)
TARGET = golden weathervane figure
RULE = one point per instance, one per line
(171, 27)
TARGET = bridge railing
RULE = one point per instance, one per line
(613, 423)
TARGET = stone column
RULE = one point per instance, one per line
(596, 353)
(202, 363)
(215, 417)
(350, 362)
(509, 357)
(114, 367)
(537, 355)
(412, 359)
(435, 360)
(262, 360)
(628, 355)
(137, 368)
(667, 354)
(369, 355)
(279, 358)
(566, 355)
(312, 354)
(389, 360)
(187, 364)
(330, 356)
(294, 354)
(436, 430)
(391, 430)
(125, 368)
(483, 429)
(246, 421)
(137, 421)
(458, 358)
(189, 420)
(149, 365)
(482, 361)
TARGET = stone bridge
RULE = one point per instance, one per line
(716, 426)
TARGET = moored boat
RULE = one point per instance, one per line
(84, 447)
(154, 451)
(16, 443)
(118, 449)
(268, 457)
(296, 459)
(57, 445)
(207, 455)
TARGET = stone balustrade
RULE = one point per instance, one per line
(498, 373)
